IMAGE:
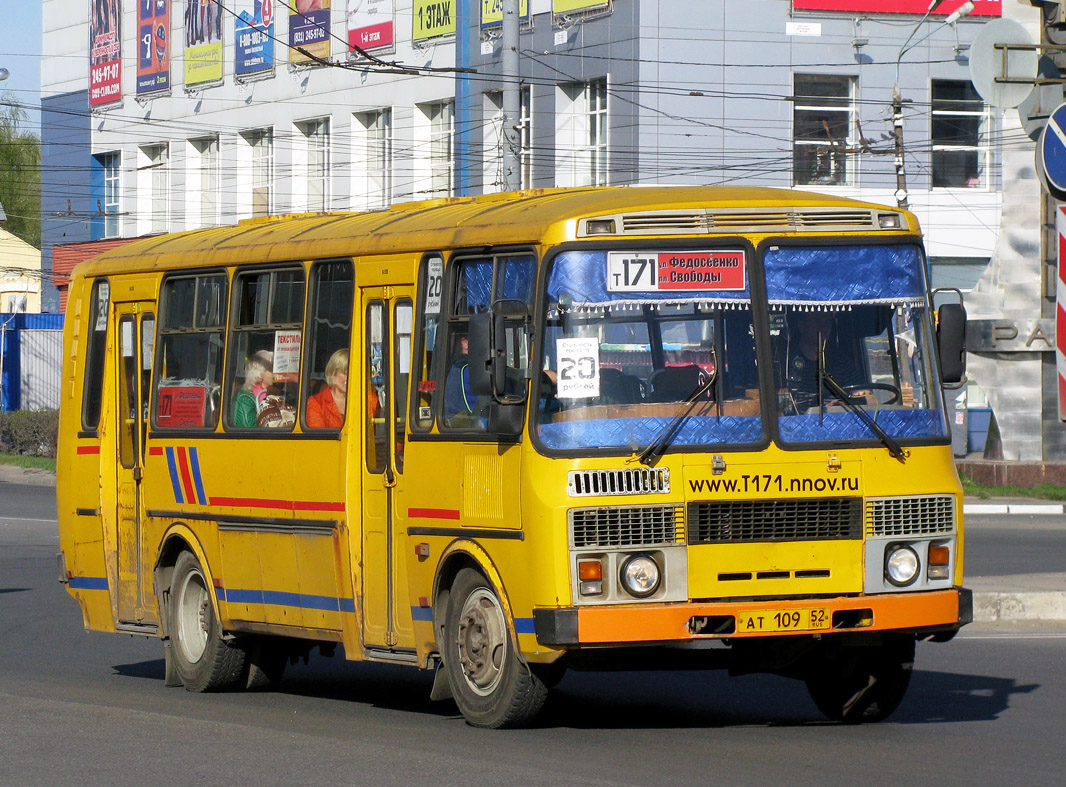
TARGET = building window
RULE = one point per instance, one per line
(824, 126)
(153, 185)
(316, 134)
(109, 162)
(960, 135)
(374, 151)
(581, 134)
(260, 148)
(441, 138)
(206, 153)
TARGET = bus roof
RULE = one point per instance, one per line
(526, 217)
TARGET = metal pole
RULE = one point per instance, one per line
(897, 132)
(511, 102)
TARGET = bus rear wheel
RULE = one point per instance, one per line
(203, 660)
(858, 684)
(491, 684)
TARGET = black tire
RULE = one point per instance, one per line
(857, 684)
(491, 684)
(203, 660)
(265, 659)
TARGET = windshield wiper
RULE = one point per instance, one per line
(826, 379)
(666, 434)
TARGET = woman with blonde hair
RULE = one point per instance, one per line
(325, 410)
(258, 376)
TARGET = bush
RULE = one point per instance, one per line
(33, 432)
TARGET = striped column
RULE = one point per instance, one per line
(1060, 310)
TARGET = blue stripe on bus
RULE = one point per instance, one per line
(174, 481)
(285, 599)
(524, 626)
(521, 625)
(88, 583)
(194, 459)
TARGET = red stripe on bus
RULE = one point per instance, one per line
(155, 451)
(88, 449)
(433, 513)
(186, 479)
(284, 505)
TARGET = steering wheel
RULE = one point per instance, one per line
(896, 396)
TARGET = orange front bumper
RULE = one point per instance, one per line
(631, 624)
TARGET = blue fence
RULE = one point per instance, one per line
(31, 359)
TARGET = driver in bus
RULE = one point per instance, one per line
(813, 331)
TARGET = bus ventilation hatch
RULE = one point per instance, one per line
(809, 219)
(629, 481)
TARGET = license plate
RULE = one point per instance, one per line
(783, 620)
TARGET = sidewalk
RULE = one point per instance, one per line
(1001, 598)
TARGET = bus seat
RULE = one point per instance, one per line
(675, 383)
(617, 387)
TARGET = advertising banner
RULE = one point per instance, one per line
(371, 25)
(105, 52)
(919, 7)
(433, 18)
(203, 42)
(309, 30)
(569, 6)
(153, 46)
(253, 34)
(492, 12)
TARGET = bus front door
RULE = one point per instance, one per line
(136, 334)
(386, 360)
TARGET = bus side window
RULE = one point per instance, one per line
(266, 335)
(189, 357)
(430, 288)
(329, 328)
(94, 365)
(472, 295)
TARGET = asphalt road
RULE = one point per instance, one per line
(92, 709)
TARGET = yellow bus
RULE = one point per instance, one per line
(504, 436)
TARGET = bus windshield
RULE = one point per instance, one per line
(630, 336)
(851, 343)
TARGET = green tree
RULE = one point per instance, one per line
(20, 173)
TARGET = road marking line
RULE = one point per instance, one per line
(7, 519)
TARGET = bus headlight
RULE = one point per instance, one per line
(901, 564)
(640, 575)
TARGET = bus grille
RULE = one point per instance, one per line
(733, 521)
(626, 526)
(632, 481)
(919, 515)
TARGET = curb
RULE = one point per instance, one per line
(996, 607)
(1012, 508)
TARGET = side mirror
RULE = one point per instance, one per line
(951, 343)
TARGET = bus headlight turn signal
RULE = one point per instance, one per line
(640, 575)
(590, 574)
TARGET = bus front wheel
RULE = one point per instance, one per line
(857, 684)
(491, 684)
(203, 660)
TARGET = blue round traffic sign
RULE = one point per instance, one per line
(1053, 153)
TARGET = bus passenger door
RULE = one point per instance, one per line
(386, 360)
(136, 334)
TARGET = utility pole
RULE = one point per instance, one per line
(512, 179)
